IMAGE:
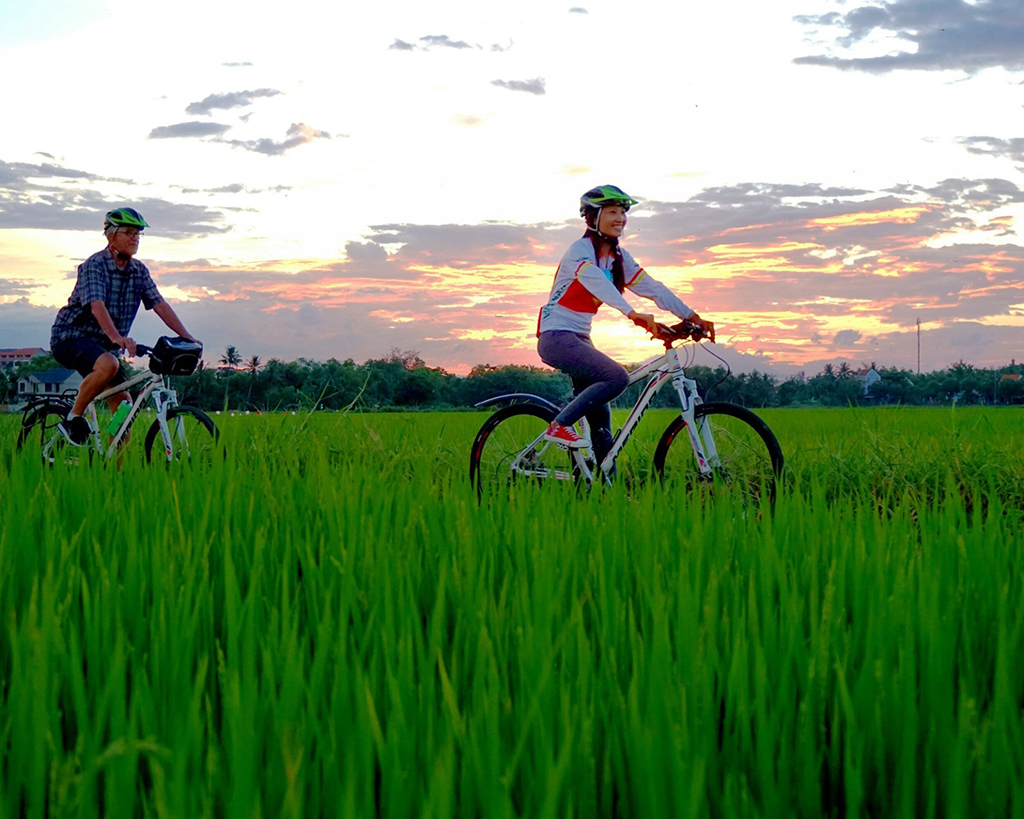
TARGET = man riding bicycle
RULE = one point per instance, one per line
(92, 328)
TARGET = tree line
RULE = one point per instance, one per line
(401, 380)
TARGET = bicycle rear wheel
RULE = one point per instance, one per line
(39, 437)
(508, 448)
(749, 459)
(194, 438)
(39, 426)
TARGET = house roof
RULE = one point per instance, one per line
(55, 376)
(1011, 377)
(20, 352)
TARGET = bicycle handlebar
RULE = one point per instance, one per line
(682, 331)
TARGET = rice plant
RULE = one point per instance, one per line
(329, 623)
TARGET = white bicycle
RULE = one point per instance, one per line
(181, 433)
(723, 445)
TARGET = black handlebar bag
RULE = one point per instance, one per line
(175, 356)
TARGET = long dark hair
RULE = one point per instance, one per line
(618, 269)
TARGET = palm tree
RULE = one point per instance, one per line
(231, 358)
(229, 363)
(252, 365)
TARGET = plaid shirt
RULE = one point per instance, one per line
(121, 292)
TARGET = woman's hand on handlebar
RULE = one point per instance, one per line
(645, 320)
(707, 328)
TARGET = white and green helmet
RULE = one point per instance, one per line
(124, 217)
(600, 197)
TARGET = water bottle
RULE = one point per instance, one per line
(119, 416)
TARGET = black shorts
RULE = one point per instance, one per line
(81, 353)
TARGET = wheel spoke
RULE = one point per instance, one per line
(194, 439)
(509, 448)
(744, 455)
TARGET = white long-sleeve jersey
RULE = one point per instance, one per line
(583, 283)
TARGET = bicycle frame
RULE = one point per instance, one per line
(156, 387)
(660, 370)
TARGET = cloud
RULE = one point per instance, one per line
(236, 187)
(28, 201)
(189, 130)
(578, 10)
(923, 35)
(298, 134)
(235, 99)
(236, 65)
(443, 41)
(1012, 149)
(19, 176)
(793, 275)
(15, 288)
(365, 251)
(430, 42)
(534, 86)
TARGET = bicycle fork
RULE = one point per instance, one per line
(162, 399)
(701, 438)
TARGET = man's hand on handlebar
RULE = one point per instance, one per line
(126, 344)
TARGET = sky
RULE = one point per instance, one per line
(827, 181)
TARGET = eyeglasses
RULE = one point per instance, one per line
(130, 232)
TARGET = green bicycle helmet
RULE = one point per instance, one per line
(604, 195)
(124, 217)
(596, 199)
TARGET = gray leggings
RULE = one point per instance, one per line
(596, 380)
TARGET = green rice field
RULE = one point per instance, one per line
(328, 623)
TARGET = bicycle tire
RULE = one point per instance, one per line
(39, 428)
(750, 460)
(504, 437)
(39, 425)
(200, 444)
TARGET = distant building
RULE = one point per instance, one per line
(50, 382)
(868, 378)
(11, 356)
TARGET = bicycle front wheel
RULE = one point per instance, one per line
(193, 436)
(509, 447)
(747, 457)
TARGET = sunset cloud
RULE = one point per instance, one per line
(924, 34)
(1012, 149)
(225, 102)
(792, 274)
(298, 134)
(189, 130)
(534, 86)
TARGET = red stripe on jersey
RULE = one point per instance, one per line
(639, 275)
(580, 300)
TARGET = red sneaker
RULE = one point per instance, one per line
(566, 436)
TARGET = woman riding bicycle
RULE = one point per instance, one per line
(595, 270)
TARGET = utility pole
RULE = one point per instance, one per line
(919, 346)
